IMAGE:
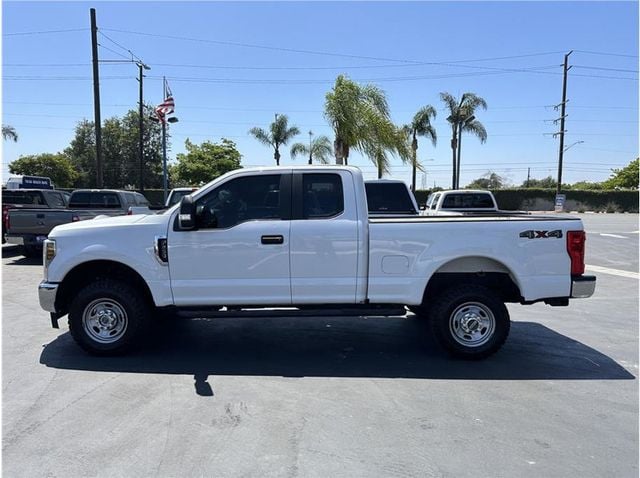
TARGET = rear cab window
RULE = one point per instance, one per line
(468, 201)
(95, 200)
(389, 198)
(22, 197)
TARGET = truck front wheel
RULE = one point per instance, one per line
(107, 317)
(470, 322)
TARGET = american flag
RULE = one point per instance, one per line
(167, 106)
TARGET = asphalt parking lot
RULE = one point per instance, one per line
(324, 397)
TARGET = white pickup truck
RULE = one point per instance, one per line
(459, 202)
(301, 237)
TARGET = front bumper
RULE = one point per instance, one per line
(47, 295)
(582, 286)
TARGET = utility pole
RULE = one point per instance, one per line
(528, 175)
(96, 97)
(141, 126)
(141, 66)
(310, 152)
(563, 107)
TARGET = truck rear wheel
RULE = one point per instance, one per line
(470, 322)
(108, 317)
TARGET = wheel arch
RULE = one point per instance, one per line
(478, 270)
(90, 271)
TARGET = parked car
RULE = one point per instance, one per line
(30, 199)
(174, 197)
(301, 237)
(460, 201)
(390, 197)
(30, 227)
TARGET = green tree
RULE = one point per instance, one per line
(462, 119)
(420, 126)
(120, 152)
(359, 116)
(545, 183)
(491, 180)
(9, 132)
(584, 185)
(55, 166)
(279, 134)
(319, 148)
(82, 154)
(626, 177)
(205, 162)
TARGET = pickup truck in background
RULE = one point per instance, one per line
(390, 197)
(30, 199)
(30, 227)
(174, 197)
(460, 202)
(301, 238)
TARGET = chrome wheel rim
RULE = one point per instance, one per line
(105, 321)
(472, 324)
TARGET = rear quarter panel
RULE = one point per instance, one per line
(404, 254)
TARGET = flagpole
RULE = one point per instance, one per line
(164, 143)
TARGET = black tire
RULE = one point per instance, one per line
(470, 322)
(113, 301)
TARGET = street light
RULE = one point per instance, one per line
(424, 174)
(573, 144)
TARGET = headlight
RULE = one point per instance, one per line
(48, 251)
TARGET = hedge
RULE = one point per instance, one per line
(531, 199)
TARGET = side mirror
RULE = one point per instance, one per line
(187, 215)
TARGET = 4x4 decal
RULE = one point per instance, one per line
(541, 234)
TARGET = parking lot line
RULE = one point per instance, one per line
(613, 235)
(615, 272)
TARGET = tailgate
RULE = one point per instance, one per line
(37, 222)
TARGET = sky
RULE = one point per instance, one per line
(232, 66)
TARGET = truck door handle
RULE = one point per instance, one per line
(272, 239)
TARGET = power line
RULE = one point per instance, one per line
(114, 52)
(605, 53)
(63, 78)
(271, 109)
(45, 32)
(47, 65)
(605, 69)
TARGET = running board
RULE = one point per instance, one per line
(358, 311)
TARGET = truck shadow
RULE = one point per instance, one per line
(338, 347)
(11, 252)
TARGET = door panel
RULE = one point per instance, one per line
(324, 240)
(226, 261)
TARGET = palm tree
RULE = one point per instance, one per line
(462, 119)
(319, 148)
(359, 116)
(279, 134)
(9, 132)
(420, 126)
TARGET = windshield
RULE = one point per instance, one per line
(177, 196)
